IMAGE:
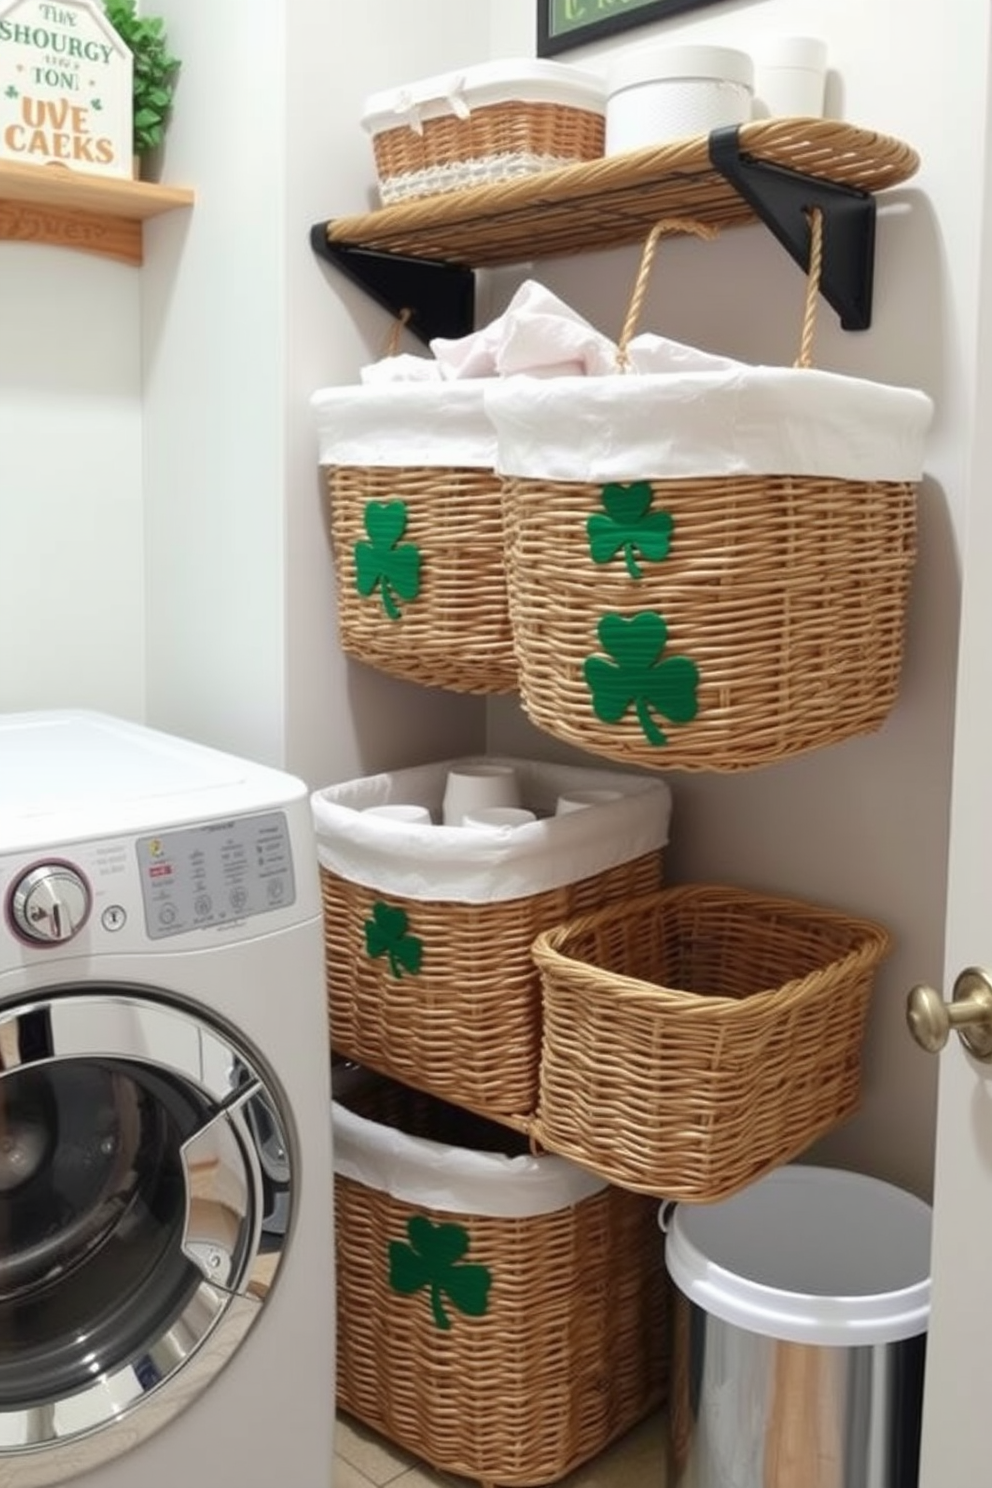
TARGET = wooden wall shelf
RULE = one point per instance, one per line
(92, 214)
(420, 255)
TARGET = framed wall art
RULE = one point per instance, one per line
(53, 108)
(563, 24)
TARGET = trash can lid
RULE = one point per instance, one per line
(809, 1255)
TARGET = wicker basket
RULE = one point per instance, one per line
(417, 533)
(492, 123)
(709, 570)
(699, 1036)
(570, 1350)
(466, 1025)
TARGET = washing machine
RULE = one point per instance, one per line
(166, 1271)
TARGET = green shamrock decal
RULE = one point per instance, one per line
(638, 677)
(380, 562)
(11, 92)
(386, 934)
(629, 527)
(433, 1259)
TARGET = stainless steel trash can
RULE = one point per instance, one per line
(800, 1314)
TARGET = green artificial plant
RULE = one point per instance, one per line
(155, 71)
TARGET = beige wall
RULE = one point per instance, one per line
(241, 323)
(71, 513)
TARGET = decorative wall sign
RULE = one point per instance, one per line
(65, 87)
(562, 24)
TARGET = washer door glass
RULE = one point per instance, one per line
(140, 1155)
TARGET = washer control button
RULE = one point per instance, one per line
(50, 903)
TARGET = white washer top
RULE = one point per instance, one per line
(71, 774)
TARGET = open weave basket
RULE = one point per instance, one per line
(697, 1037)
(782, 597)
(570, 1353)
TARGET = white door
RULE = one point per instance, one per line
(957, 1415)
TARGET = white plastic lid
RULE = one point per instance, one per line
(659, 63)
(525, 80)
(808, 1255)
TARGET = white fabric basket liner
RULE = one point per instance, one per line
(743, 421)
(478, 865)
(515, 81)
(457, 1180)
(405, 424)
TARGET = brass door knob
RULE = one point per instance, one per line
(969, 1012)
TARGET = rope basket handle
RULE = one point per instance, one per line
(704, 230)
(805, 357)
(666, 225)
(391, 345)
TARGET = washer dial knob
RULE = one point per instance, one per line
(51, 903)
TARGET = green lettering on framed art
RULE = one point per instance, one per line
(562, 24)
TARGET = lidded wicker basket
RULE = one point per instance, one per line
(494, 122)
(502, 1316)
(416, 531)
(697, 1037)
(708, 569)
(455, 1010)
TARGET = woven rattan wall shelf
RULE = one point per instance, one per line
(93, 214)
(417, 258)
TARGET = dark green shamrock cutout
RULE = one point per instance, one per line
(433, 1259)
(380, 562)
(11, 92)
(638, 677)
(386, 934)
(629, 527)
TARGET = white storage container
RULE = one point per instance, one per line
(484, 124)
(661, 93)
(789, 76)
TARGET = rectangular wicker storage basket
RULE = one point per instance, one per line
(500, 1315)
(708, 569)
(417, 532)
(697, 1037)
(461, 1017)
(491, 123)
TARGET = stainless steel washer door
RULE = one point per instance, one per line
(143, 1156)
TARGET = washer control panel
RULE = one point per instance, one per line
(225, 871)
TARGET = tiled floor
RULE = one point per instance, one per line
(365, 1460)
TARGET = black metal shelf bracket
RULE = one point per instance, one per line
(434, 298)
(782, 198)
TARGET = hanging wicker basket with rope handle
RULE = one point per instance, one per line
(708, 570)
(416, 532)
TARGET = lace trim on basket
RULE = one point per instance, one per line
(459, 174)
